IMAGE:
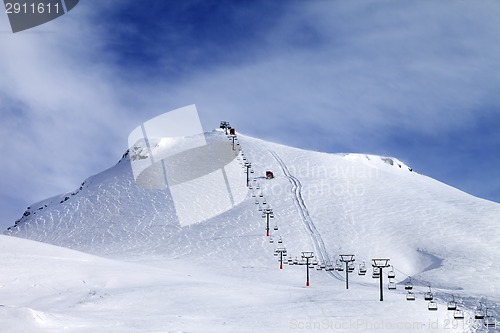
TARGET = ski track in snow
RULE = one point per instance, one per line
(316, 238)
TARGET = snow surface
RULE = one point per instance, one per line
(133, 268)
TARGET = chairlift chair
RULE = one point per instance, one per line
(479, 313)
(362, 269)
(458, 314)
(261, 194)
(432, 306)
(271, 240)
(391, 285)
(318, 267)
(280, 240)
(323, 265)
(428, 295)
(409, 285)
(315, 262)
(452, 305)
(350, 268)
(391, 274)
(376, 273)
(410, 296)
(275, 227)
(489, 321)
(296, 261)
(338, 266)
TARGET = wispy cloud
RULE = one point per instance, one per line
(326, 75)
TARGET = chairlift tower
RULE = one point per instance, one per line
(380, 264)
(233, 138)
(267, 213)
(307, 255)
(347, 258)
(282, 252)
(248, 165)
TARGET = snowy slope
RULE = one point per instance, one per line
(331, 204)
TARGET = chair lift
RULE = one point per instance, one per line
(479, 314)
(253, 194)
(432, 306)
(428, 295)
(264, 202)
(350, 268)
(315, 262)
(302, 262)
(410, 296)
(489, 321)
(290, 261)
(318, 267)
(376, 273)
(275, 227)
(329, 266)
(391, 274)
(296, 261)
(261, 194)
(391, 285)
(458, 314)
(452, 305)
(271, 240)
(362, 269)
(338, 266)
(280, 240)
(322, 265)
(408, 285)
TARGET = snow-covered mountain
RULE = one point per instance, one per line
(369, 206)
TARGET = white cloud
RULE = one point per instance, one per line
(341, 71)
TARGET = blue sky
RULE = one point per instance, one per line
(418, 80)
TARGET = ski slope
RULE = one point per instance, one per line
(145, 272)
